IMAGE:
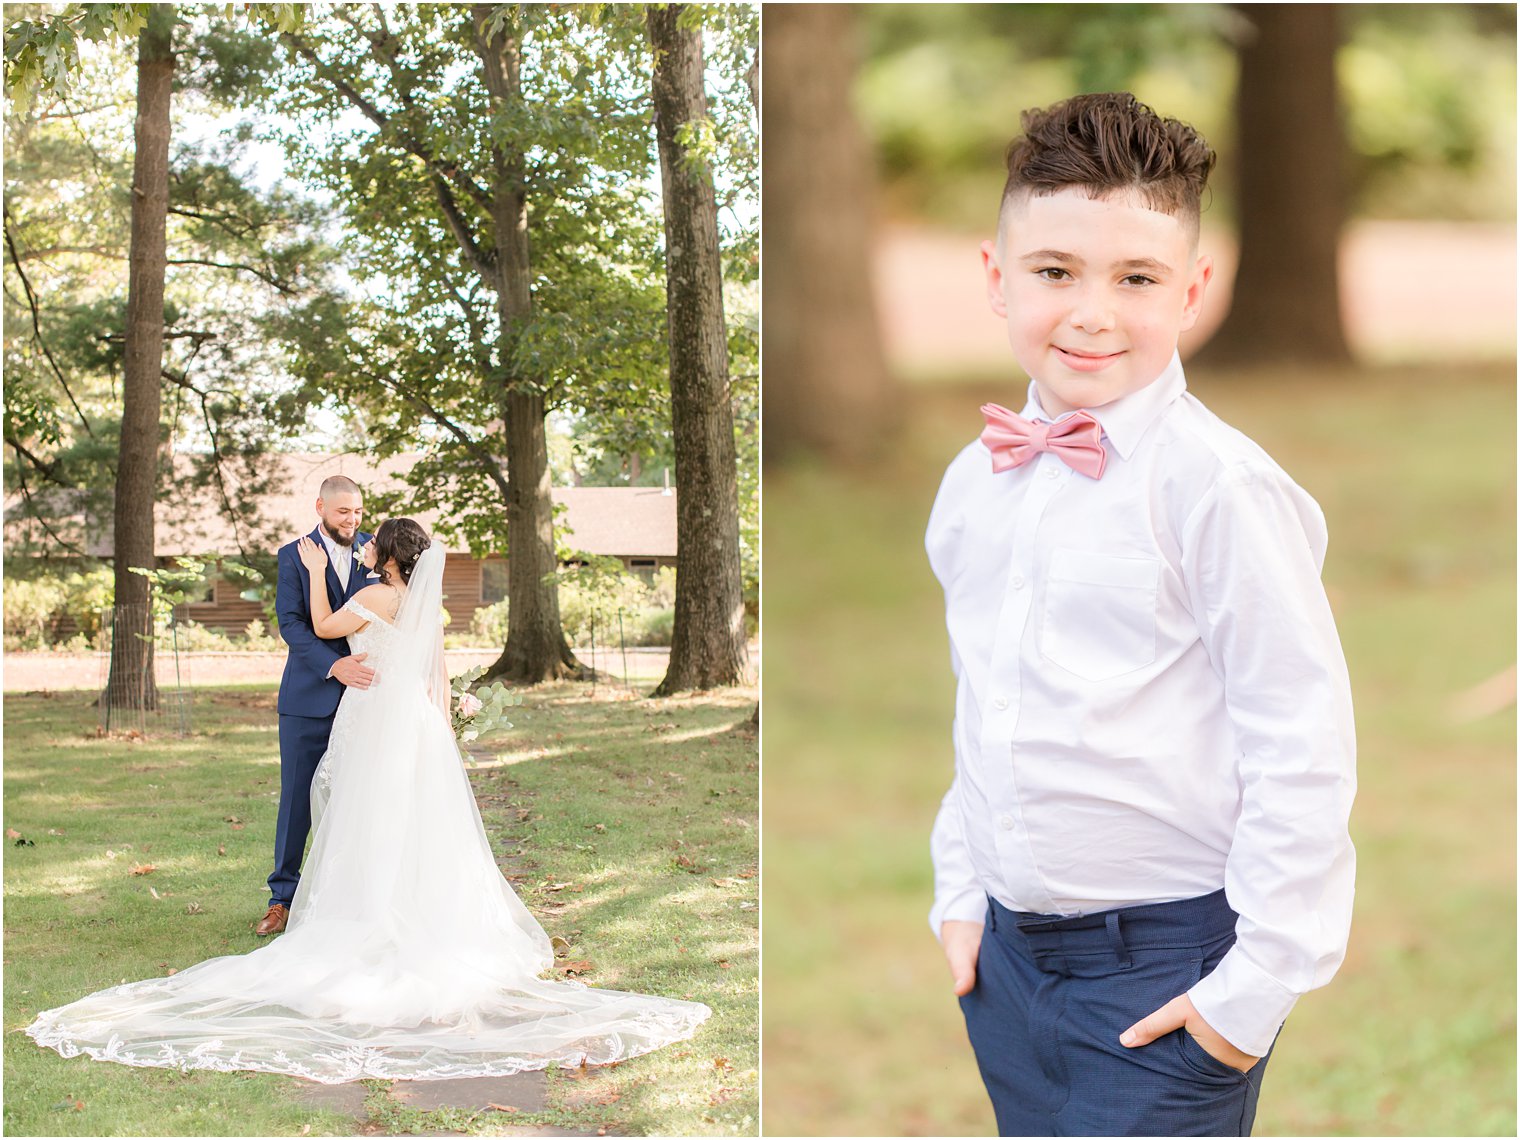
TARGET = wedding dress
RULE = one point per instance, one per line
(407, 955)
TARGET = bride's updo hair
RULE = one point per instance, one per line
(401, 539)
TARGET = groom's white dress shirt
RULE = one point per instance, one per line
(1152, 701)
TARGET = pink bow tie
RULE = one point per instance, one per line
(1014, 441)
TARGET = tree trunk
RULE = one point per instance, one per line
(536, 648)
(708, 644)
(1286, 304)
(131, 676)
(827, 388)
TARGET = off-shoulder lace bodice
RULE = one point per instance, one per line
(375, 638)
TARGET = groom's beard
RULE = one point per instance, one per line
(337, 538)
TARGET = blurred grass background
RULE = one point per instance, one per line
(1415, 471)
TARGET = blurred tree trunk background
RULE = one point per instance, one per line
(827, 388)
(1290, 182)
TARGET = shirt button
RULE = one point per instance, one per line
(1000, 703)
(1018, 582)
(1051, 472)
(1005, 822)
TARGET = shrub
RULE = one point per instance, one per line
(29, 609)
(594, 597)
(191, 637)
(488, 625)
(662, 594)
(257, 637)
(87, 596)
(654, 627)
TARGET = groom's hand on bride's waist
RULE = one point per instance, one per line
(353, 672)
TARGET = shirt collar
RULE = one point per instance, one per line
(332, 547)
(1126, 420)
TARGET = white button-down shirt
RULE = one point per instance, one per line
(1152, 702)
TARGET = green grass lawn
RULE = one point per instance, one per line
(1416, 1034)
(628, 825)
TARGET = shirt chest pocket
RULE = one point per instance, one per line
(1099, 619)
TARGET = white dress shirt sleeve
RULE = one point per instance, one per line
(1252, 554)
(958, 895)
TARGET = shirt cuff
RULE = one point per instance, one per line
(969, 904)
(1243, 1003)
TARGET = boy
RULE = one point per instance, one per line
(1143, 859)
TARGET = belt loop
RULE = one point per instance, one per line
(1116, 939)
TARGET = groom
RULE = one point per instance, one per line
(316, 671)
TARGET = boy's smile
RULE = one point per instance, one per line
(1095, 292)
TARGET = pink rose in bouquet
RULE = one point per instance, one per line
(469, 704)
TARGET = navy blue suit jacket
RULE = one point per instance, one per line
(305, 688)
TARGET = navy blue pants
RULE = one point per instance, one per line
(1052, 996)
(303, 740)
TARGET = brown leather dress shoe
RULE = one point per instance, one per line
(273, 921)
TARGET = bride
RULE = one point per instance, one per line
(407, 955)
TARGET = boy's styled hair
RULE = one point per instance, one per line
(1107, 144)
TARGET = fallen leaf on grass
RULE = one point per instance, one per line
(168, 969)
(725, 965)
(154, 893)
(193, 908)
(578, 966)
(69, 1105)
(503, 1107)
(305, 1130)
(12, 833)
(560, 946)
(608, 1098)
(722, 1096)
(221, 849)
(722, 1064)
(144, 869)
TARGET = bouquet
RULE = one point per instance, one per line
(484, 711)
